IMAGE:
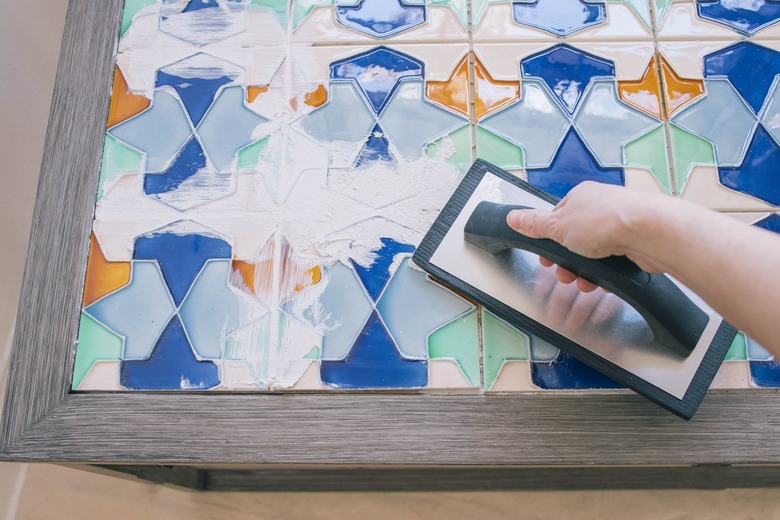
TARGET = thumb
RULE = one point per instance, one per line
(530, 222)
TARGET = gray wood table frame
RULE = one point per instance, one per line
(314, 441)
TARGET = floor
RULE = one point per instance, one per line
(29, 40)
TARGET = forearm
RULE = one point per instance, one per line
(730, 265)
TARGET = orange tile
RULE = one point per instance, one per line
(253, 92)
(310, 277)
(454, 92)
(492, 94)
(644, 94)
(678, 91)
(316, 97)
(256, 276)
(243, 275)
(124, 104)
(103, 277)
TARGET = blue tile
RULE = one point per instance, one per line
(196, 93)
(567, 72)
(376, 275)
(749, 67)
(374, 362)
(227, 127)
(765, 373)
(559, 17)
(159, 131)
(197, 5)
(748, 18)
(380, 18)
(573, 163)
(180, 257)
(770, 223)
(190, 160)
(757, 175)
(376, 149)
(172, 365)
(377, 73)
(568, 373)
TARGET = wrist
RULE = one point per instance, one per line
(649, 229)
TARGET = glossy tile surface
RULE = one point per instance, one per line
(269, 167)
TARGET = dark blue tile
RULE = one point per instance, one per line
(559, 17)
(573, 163)
(376, 149)
(568, 373)
(376, 275)
(567, 71)
(765, 373)
(190, 160)
(749, 67)
(374, 362)
(758, 174)
(171, 366)
(196, 93)
(770, 223)
(381, 18)
(377, 73)
(747, 19)
(180, 257)
(197, 5)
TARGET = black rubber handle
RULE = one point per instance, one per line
(675, 321)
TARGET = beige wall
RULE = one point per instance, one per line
(30, 32)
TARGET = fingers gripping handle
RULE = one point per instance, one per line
(675, 321)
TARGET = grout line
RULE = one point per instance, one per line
(473, 127)
(665, 115)
(472, 95)
(21, 479)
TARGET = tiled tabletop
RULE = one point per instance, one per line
(270, 165)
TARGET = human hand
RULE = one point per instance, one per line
(594, 220)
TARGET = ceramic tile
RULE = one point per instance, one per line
(717, 19)
(551, 20)
(266, 177)
(577, 118)
(725, 170)
(340, 22)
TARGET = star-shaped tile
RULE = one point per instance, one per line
(227, 127)
(212, 311)
(159, 132)
(344, 117)
(407, 104)
(412, 307)
(607, 125)
(536, 123)
(138, 312)
(722, 118)
(341, 311)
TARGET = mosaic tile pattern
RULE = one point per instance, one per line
(270, 165)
